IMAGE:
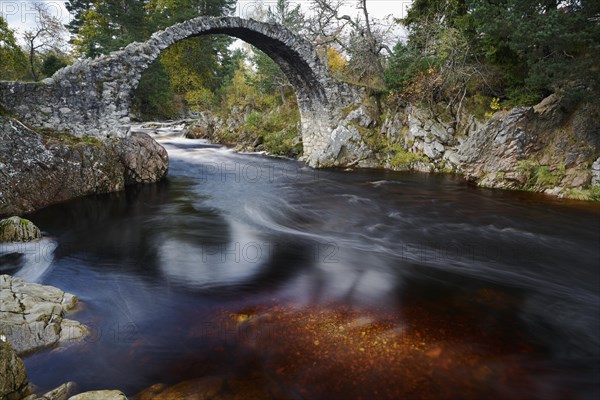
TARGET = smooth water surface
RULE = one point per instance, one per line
(322, 284)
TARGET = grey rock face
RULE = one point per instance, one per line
(559, 139)
(144, 159)
(13, 380)
(93, 97)
(15, 229)
(344, 146)
(596, 173)
(554, 136)
(498, 146)
(31, 315)
(36, 171)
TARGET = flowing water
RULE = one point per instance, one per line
(278, 281)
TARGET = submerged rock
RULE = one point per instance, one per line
(37, 170)
(31, 315)
(256, 386)
(13, 380)
(15, 229)
(100, 395)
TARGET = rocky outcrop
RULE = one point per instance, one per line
(550, 147)
(32, 315)
(15, 229)
(37, 170)
(206, 124)
(346, 144)
(553, 147)
(13, 380)
(14, 384)
(496, 147)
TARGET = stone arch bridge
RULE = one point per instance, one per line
(93, 97)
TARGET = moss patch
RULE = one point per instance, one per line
(51, 135)
(403, 158)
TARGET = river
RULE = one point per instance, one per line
(287, 282)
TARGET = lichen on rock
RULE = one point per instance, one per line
(15, 229)
(32, 315)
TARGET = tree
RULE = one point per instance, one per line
(542, 45)
(449, 14)
(439, 65)
(53, 61)
(284, 14)
(47, 35)
(78, 9)
(190, 70)
(361, 37)
(336, 62)
(154, 96)
(239, 91)
(269, 77)
(517, 50)
(13, 62)
(102, 26)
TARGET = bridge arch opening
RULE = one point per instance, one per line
(238, 96)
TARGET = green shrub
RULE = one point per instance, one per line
(278, 130)
(539, 177)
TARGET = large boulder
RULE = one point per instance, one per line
(37, 170)
(32, 315)
(144, 159)
(15, 229)
(13, 380)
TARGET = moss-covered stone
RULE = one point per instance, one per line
(13, 379)
(17, 229)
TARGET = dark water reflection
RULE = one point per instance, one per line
(498, 289)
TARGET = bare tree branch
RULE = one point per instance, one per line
(46, 35)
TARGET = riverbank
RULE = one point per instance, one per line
(39, 168)
(552, 148)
